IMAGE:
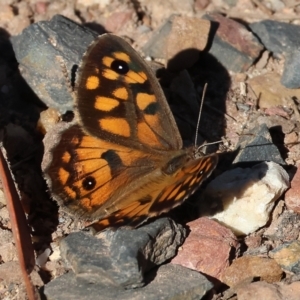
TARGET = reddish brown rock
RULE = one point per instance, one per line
(207, 248)
(252, 267)
(292, 196)
(234, 46)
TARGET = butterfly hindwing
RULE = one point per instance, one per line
(86, 173)
(165, 192)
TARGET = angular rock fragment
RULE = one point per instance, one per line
(245, 196)
(123, 256)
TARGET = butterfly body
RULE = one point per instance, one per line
(121, 161)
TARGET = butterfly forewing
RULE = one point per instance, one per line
(128, 104)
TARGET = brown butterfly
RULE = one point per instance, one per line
(121, 161)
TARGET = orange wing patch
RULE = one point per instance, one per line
(121, 93)
(105, 103)
(115, 126)
(146, 135)
(92, 82)
(122, 56)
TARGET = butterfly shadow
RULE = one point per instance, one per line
(184, 90)
(19, 114)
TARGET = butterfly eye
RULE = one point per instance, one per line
(88, 183)
(120, 66)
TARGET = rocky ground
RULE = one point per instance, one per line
(238, 237)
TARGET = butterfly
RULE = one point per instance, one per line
(121, 161)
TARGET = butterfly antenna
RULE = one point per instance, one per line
(200, 112)
(208, 144)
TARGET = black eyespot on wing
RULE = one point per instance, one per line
(151, 109)
(88, 183)
(120, 66)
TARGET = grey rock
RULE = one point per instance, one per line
(155, 47)
(38, 49)
(285, 228)
(256, 145)
(282, 38)
(167, 282)
(291, 73)
(277, 37)
(122, 257)
(233, 45)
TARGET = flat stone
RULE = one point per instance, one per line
(257, 145)
(235, 47)
(243, 198)
(292, 198)
(208, 248)
(288, 256)
(122, 256)
(252, 267)
(167, 282)
(37, 50)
